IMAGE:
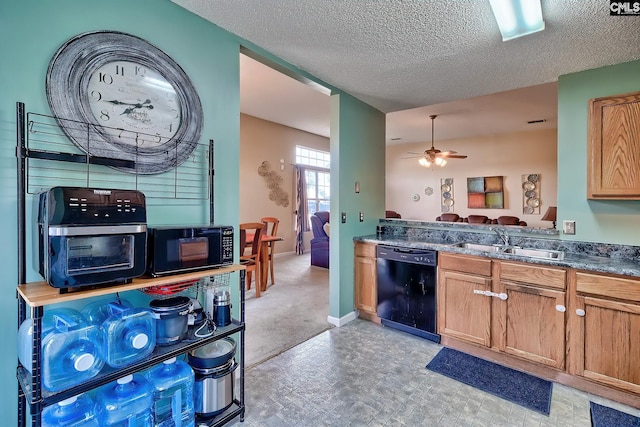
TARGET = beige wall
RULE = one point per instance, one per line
(507, 155)
(262, 140)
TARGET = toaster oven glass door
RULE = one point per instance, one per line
(99, 254)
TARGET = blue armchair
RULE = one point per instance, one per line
(320, 241)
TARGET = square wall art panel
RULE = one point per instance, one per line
(485, 192)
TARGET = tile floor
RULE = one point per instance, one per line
(362, 374)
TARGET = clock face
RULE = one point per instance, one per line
(126, 95)
(117, 96)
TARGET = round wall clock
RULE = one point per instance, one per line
(116, 95)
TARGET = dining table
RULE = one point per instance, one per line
(265, 240)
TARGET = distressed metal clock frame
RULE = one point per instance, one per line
(66, 86)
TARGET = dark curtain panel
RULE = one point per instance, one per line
(301, 209)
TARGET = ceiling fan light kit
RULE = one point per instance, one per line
(517, 18)
(434, 156)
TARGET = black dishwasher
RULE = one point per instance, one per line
(407, 290)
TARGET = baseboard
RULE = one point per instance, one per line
(341, 321)
(279, 254)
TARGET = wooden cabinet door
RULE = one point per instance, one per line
(366, 284)
(608, 343)
(533, 324)
(614, 147)
(605, 335)
(463, 312)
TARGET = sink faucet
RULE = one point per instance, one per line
(503, 235)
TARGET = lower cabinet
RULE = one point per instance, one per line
(365, 281)
(463, 310)
(531, 312)
(606, 325)
(516, 308)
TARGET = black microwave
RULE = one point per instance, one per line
(178, 249)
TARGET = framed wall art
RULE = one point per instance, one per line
(485, 192)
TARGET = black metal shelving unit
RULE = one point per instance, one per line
(33, 297)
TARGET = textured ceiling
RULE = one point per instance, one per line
(414, 58)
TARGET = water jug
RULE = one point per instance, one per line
(77, 411)
(130, 333)
(71, 348)
(172, 383)
(125, 402)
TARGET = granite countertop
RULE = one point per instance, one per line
(577, 256)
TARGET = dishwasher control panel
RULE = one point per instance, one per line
(412, 255)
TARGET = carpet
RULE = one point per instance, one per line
(506, 383)
(603, 416)
(289, 312)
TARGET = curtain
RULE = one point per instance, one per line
(301, 209)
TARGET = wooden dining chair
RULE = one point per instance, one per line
(271, 229)
(250, 251)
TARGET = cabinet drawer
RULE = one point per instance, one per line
(366, 250)
(610, 287)
(465, 263)
(549, 277)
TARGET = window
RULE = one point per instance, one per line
(317, 176)
(310, 157)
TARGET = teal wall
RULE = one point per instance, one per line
(32, 30)
(357, 154)
(612, 221)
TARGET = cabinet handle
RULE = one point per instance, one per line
(561, 308)
(580, 312)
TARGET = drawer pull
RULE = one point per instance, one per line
(580, 312)
(561, 308)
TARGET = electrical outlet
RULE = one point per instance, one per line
(343, 217)
(569, 227)
(361, 216)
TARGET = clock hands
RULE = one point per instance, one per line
(132, 106)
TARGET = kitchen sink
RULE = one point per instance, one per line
(513, 250)
(535, 253)
(479, 247)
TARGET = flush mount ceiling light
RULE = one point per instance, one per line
(433, 155)
(517, 18)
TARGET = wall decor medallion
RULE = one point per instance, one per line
(135, 101)
(274, 182)
(428, 191)
(531, 194)
(446, 194)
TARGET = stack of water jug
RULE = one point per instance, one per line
(75, 347)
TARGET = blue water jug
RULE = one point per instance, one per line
(172, 384)
(71, 348)
(125, 402)
(130, 333)
(77, 411)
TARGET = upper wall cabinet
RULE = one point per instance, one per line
(614, 147)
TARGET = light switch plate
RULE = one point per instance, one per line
(343, 217)
(569, 227)
(361, 216)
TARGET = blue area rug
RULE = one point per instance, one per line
(506, 383)
(603, 416)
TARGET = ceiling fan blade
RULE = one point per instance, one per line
(413, 152)
(456, 156)
(412, 157)
(447, 153)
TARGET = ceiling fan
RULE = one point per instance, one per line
(433, 155)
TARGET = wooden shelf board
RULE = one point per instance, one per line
(39, 294)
